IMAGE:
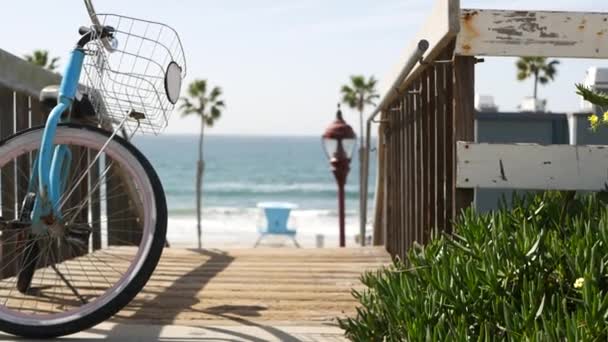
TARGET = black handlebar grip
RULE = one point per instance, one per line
(84, 30)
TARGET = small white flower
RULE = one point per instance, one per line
(579, 283)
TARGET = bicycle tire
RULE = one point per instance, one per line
(76, 323)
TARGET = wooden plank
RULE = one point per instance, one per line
(380, 201)
(95, 202)
(529, 166)
(440, 146)
(388, 203)
(38, 113)
(432, 160)
(7, 186)
(405, 160)
(533, 33)
(78, 166)
(449, 148)
(392, 224)
(464, 120)
(121, 223)
(401, 174)
(382, 184)
(22, 114)
(411, 131)
(426, 153)
(395, 185)
(419, 160)
(267, 284)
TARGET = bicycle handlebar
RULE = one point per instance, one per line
(95, 20)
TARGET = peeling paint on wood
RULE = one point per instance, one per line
(530, 166)
(532, 33)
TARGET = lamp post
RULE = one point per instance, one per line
(339, 141)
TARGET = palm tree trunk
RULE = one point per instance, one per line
(200, 169)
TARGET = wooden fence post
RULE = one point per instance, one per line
(7, 186)
(379, 232)
(463, 122)
(125, 230)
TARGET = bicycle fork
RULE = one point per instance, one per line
(53, 162)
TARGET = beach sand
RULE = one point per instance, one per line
(314, 229)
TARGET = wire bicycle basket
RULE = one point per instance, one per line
(135, 77)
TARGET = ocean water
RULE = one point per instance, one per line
(243, 171)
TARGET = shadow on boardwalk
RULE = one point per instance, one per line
(217, 262)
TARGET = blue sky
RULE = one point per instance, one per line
(281, 63)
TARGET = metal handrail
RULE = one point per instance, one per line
(395, 90)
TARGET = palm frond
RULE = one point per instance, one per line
(358, 81)
(544, 71)
(53, 65)
(215, 113)
(206, 105)
(595, 97)
(347, 90)
(216, 92)
(187, 108)
(360, 92)
(350, 100)
(41, 59)
(197, 88)
(220, 104)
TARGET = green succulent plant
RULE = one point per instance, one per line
(597, 98)
(536, 272)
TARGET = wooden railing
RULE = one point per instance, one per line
(20, 86)
(428, 161)
(419, 132)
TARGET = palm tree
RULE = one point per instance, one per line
(208, 106)
(537, 67)
(359, 94)
(41, 59)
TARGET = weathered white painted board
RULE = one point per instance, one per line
(533, 33)
(440, 28)
(529, 166)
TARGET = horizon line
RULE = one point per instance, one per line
(245, 135)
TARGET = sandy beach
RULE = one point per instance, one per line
(240, 230)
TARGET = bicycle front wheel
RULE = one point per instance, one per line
(80, 271)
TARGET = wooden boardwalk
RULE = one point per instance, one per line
(253, 286)
(213, 295)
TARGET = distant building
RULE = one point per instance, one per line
(485, 103)
(531, 105)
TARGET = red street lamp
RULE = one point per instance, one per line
(339, 142)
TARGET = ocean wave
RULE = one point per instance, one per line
(266, 188)
(274, 187)
(252, 212)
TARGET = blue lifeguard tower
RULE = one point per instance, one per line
(277, 218)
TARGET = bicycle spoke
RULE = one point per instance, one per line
(106, 214)
(68, 284)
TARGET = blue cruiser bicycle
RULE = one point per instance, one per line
(91, 227)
